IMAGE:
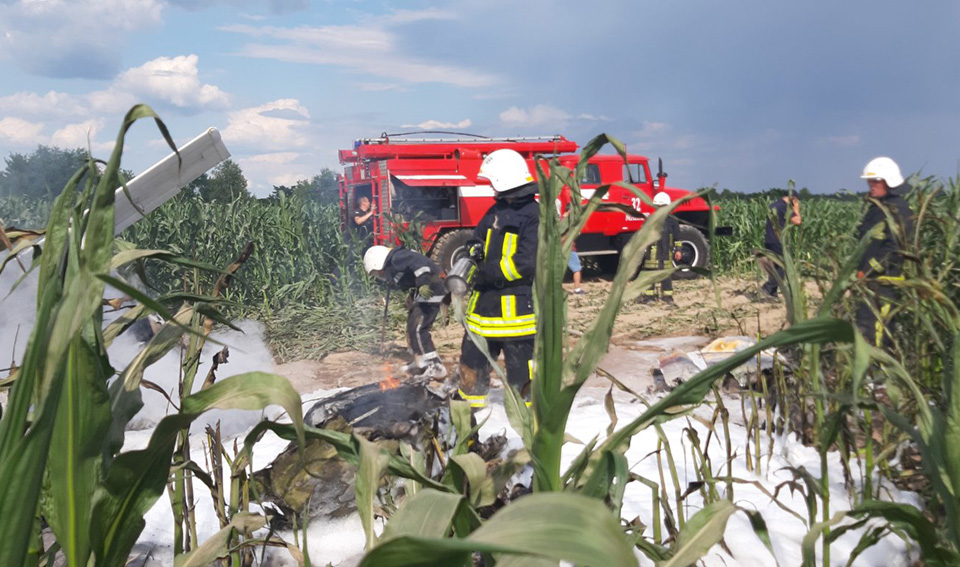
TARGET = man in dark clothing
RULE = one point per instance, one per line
(773, 243)
(363, 221)
(881, 265)
(405, 269)
(662, 255)
(500, 309)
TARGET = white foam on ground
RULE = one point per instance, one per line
(340, 542)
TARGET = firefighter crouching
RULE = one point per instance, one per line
(881, 265)
(500, 308)
(662, 254)
(405, 269)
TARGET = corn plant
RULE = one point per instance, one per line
(61, 434)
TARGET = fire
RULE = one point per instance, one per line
(390, 382)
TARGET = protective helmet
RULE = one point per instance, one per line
(661, 199)
(506, 170)
(375, 258)
(883, 168)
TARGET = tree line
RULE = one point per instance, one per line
(43, 173)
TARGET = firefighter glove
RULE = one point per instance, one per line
(475, 250)
(424, 291)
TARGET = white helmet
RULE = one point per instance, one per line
(661, 199)
(506, 170)
(375, 258)
(883, 168)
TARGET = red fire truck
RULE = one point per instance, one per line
(433, 182)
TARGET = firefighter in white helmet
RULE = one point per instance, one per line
(881, 265)
(662, 254)
(500, 308)
(404, 269)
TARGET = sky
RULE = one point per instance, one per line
(744, 95)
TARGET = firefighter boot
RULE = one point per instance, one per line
(414, 368)
(468, 387)
(434, 369)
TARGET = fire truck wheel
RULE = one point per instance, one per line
(446, 245)
(696, 252)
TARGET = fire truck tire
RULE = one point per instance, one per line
(447, 245)
(696, 252)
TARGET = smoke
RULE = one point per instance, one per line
(248, 353)
(17, 314)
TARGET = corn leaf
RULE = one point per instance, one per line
(700, 533)
(218, 545)
(429, 514)
(556, 525)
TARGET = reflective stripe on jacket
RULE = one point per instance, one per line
(501, 305)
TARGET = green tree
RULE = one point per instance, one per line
(41, 174)
(225, 183)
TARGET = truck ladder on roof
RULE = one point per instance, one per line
(390, 139)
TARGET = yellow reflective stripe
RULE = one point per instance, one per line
(486, 242)
(501, 321)
(474, 401)
(530, 366)
(508, 305)
(891, 278)
(875, 265)
(668, 292)
(485, 331)
(507, 266)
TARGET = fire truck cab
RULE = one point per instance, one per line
(432, 183)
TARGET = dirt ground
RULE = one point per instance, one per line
(641, 333)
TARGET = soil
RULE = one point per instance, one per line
(642, 333)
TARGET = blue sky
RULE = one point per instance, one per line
(742, 95)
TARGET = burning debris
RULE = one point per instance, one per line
(388, 413)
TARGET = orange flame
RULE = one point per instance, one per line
(390, 382)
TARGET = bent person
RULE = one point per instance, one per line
(407, 270)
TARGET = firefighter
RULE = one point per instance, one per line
(500, 308)
(405, 269)
(881, 266)
(772, 242)
(661, 253)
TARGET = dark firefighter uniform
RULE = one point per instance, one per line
(410, 270)
(772, 242)
(882, 262)
(659, 257)
(500, 309)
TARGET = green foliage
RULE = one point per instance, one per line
(63, 427)
(41, 174)
(225, 184)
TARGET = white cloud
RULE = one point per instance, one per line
(436, 124)
(276, 158)
(72, 38)
(410, 16)
(52, 104)
(174, 80)
(278, 125)
(653, 129)
(80, 135)
(21, 132)
(376, 87)
(370, 49)
(539, 115)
